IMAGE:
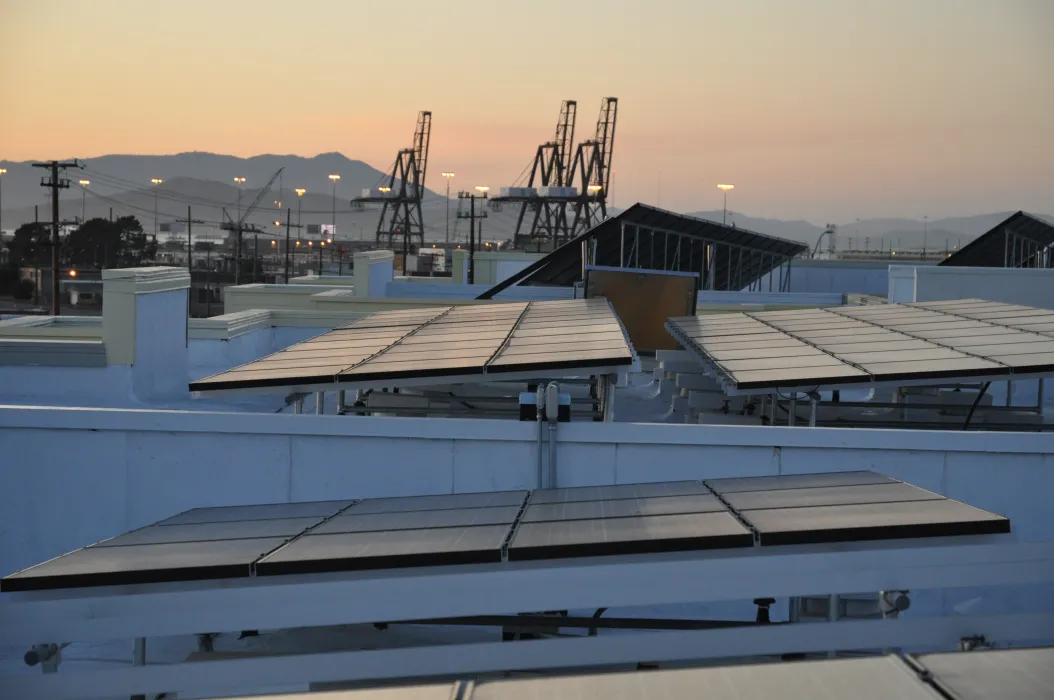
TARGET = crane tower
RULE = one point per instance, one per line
(401, 196)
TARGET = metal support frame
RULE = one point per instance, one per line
(121, 612)
(320, 403)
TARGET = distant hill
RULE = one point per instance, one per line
(205, 182)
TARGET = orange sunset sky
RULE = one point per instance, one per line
(816, 109)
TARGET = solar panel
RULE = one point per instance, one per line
(881, 678)
(418, 519)
(150, 563)
(796, 481)
(461, 341)
(636, 535)
(1015, 674)
(621, 508)
(596, 493)
(475, 528)
(487, 499)
(445, 546)
(871, 521)
(853, 345)
(829, 496)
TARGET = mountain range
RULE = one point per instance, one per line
(205, 183)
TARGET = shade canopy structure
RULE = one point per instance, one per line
(416, 347)
(644, 237)
(507, 526)
(962, 340)
(1021, 240)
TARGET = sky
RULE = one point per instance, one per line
(825, 110)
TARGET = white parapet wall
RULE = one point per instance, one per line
(109, 471)
(1029, 287)
(374, 269)
(833, 276)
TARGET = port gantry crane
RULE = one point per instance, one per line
(592, 165)
(551, 191)
(401, 197)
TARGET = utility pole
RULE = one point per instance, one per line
(471, 216)
(190, 244)
(55, 183)
(448, 175)
(289, 225)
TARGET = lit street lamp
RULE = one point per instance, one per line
(84, 195)
(299, 193)
(155, 182)
(334, 178)
(448, 175)
(724, 209)
(2, 172)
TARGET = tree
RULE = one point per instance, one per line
(31, 244)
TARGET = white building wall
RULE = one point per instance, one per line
(834, 276)
(1010, 285)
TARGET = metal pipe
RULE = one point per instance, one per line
(794, 609)
(812, 413)
(552, 402)
(609, 399)
(1039, 397)
(539, 406)
(298, 406)
(772, 409)
(341, 405)
(1009, 394)
(320, 403)
(793, 408)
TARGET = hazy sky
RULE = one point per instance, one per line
(816, 109)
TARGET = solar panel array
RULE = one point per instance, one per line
(492, 527)
(449, 341)
(1021, 674)
(866, 344)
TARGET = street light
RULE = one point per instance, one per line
(594, 190)
(448, 175)
(238, 181)
(155, 182)
(299, 193)
(724, 209)
(84, 195)
(334, 177)
(3, 171)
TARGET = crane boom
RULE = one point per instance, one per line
(259, 196)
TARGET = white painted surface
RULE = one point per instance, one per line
(159, 371)
(1010, 285)
(837, 276)
(707, 296)
(419, 290)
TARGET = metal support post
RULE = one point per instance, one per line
(298, 406)
(772, 409)
(539, 415)
(794, 609)
(1009, 394)
(320, 403)
(552, 402)
(609, 398)
(139, 659)
(793, 407)
(1039, 397)
(832, 615)
(812, 412)
(341, 405)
